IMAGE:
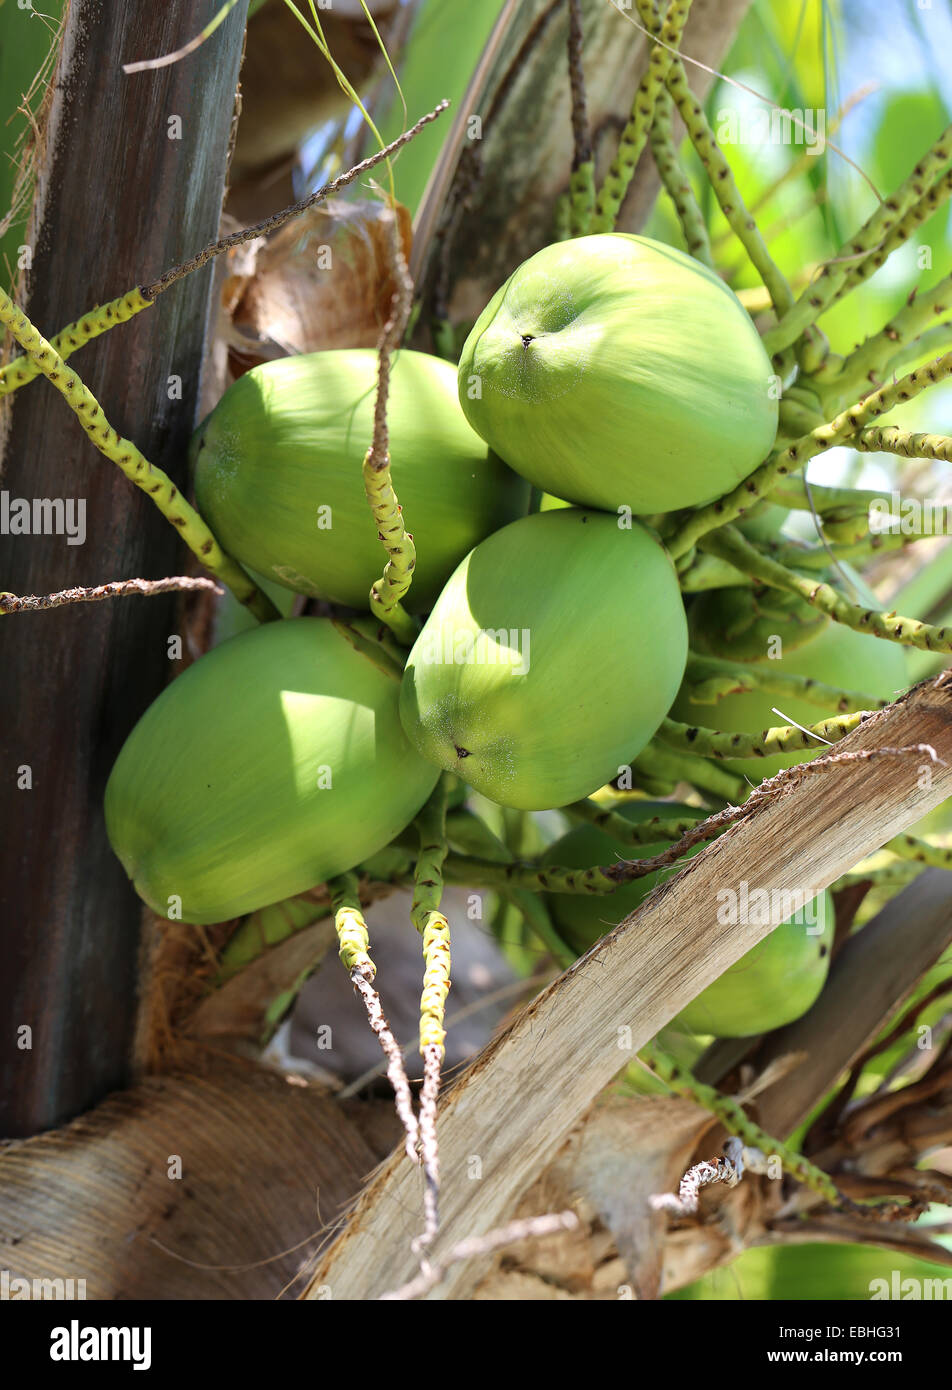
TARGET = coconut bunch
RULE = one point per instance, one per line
(553, 617)
(528, 638)
(550, 651)
(574, 590)
(547, 646)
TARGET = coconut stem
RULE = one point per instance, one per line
(815, 363)
(134, 464)
(463, 868)
(731, 545)
(921, 851)
(628, 832)
(786, 738)
(427, 918)
(854, 260)
(145, 588)
(851, 540)
(582, 182)
(660, 762)
(840, 430)
(677, 184)
(352, 934)
(429, 1146)
(922, 209)
(864, 368)
(23, 369)
(841, 502)
(725, 189)
(354, 943)
(581, 199)
(612, 193)
(892, 875)
(435, 930)
(709, 679)
(889, 439)
(388, 591)
(734, 1119)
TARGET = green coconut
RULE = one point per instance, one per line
(832, 653)
(274, 762)
(549, 660)
(615, 371)
(582, 918)
(773, 983)
(277, 471)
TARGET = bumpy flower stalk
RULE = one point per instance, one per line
(734, 1119)
(134, 464)
(618, 179)
(841, 272)
(428, 920)
(354, 942)
(665, 155)
(791, 459)
(562, 221)
(435, 930)
(582, 183)
(892, 875)
(661, 763)
(352, 934)
(786, 738)
(731, 545)
(75, 335)
(806, 161)
(931, 343)
(628, 832)
(603, 879)
(388, 591)
(842, 502)
(909, 847)
(595, 881)
(864, 368)
(708, 679)
(850, 540)
(121, 588)
(889, 439)
(726, 191)
(581, 198)
(677, 184)
(931, 200)
(463, 868)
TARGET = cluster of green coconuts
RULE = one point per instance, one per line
(620, 378)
